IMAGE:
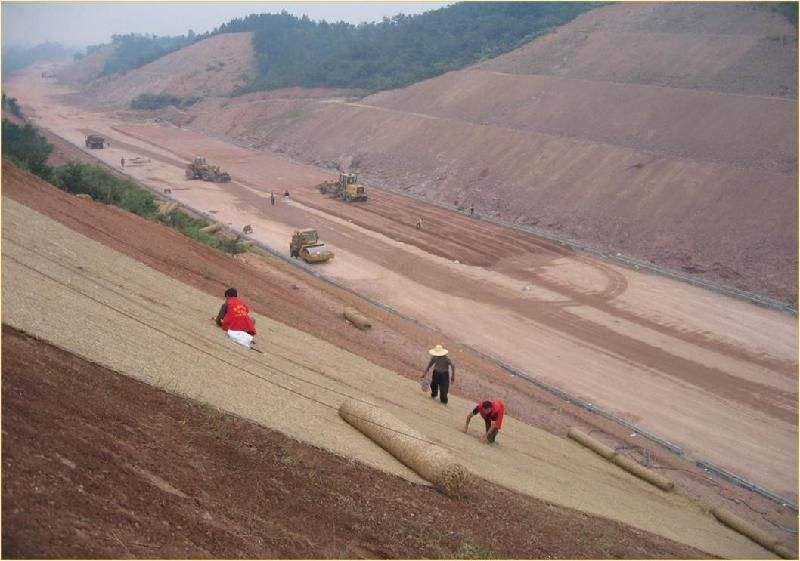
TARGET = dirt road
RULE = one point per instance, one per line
(713, 374)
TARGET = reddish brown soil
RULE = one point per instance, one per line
(97, 465)
(667, 132)
(286, 294)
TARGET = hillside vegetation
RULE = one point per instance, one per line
(134, 50)
(395, 52)
(17, 58)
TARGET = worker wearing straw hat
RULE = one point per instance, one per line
(444, 372)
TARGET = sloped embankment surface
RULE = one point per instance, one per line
(101, 305)
(664, 131)
(119, 461)
(213, 66)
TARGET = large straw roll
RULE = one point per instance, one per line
(784, 552)
(211, 228)
(357, 318)
(166, 208)
(430, 461)
(756, 534)
(642, 472)
(592, 444)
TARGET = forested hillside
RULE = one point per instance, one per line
(397, 51)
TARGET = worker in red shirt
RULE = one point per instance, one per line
(492, 413)
(234, 318)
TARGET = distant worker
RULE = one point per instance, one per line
(444, 372)
(492, 413)
(471, 210)
(122, 161)
(286, 194)
(272, 198)
(234, 318)
(419, 223)
(248, 229)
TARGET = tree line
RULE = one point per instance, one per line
(394, 52)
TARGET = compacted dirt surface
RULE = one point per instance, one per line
(97, 465)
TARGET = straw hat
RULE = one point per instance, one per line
(438, 350)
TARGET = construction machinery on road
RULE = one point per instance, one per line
(305, 245)
(95, 141)
(200, 169)
(346, 188)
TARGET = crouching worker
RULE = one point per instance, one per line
(234, 318)
(492, 413)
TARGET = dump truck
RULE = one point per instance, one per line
(346, 188)
(305, 245)
(200, 169)
(95, 141)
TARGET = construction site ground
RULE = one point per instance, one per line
(714, 374)
(118, 460)
(65, 288)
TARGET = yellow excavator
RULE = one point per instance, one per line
(346, 188)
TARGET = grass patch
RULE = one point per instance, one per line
(149, 102)
(470, 549)
(27, 149)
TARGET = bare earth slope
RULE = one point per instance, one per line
(214, 66)
(664, 131)
(83, 71)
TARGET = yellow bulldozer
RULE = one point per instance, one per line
(200, 169)
(346, 188)
(305, 245)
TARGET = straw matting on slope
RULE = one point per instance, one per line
(108, 308)
(430, 461)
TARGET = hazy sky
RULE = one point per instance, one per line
(84, 23)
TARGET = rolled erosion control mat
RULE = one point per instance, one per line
(592, 444)
(430, 461)
(166, 208)
(211, 228)
(357, 318)
(634, 467)
(758, 535)
(628, 464)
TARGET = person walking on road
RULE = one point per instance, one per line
(444, 373)
(122, 161)
(234, 318)
(272, 198)
(492, 413)
(419, 223)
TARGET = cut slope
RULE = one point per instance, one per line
(74, 291)
(678, 167)
(734, 48)
(81, 72)
(213, 66)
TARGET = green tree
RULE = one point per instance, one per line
(26, 148)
